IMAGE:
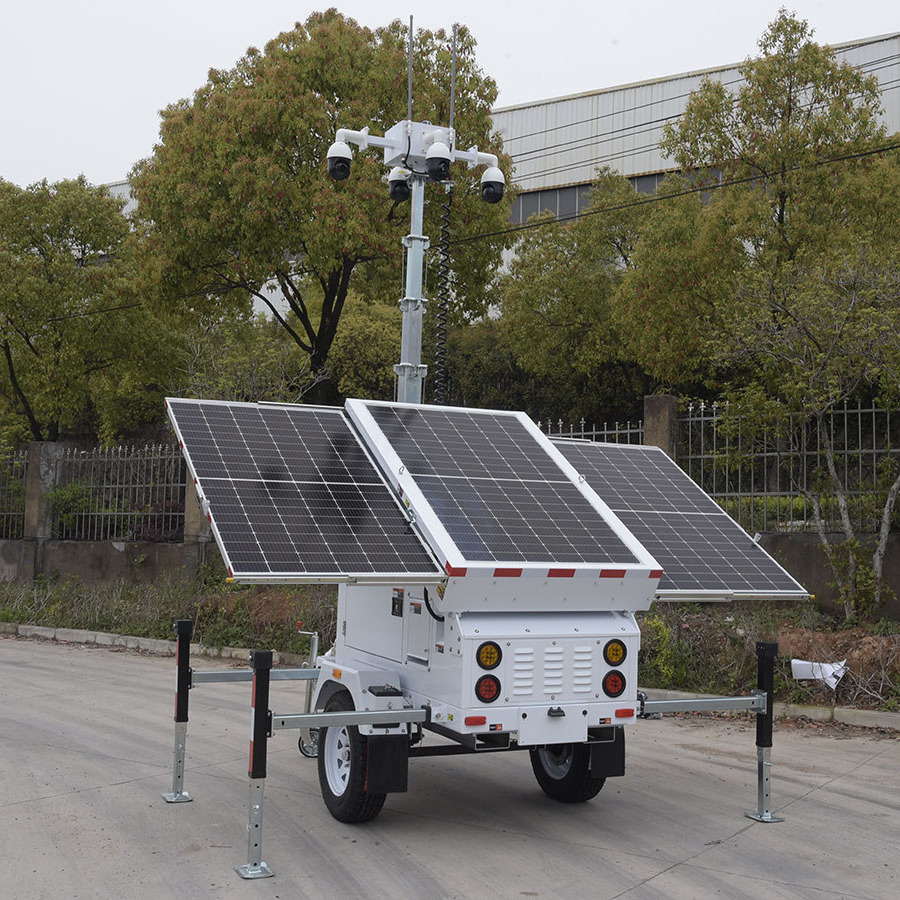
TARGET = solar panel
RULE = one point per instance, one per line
(703, 551)
(293, 496)
(493, 483)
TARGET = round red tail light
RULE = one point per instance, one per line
(487, 688)
(613, 684)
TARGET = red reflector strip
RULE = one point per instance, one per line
(656, 573)
(476, 720)
(624, 713)
(457, 571)
(612, 573)
(507, 573)
(561, 573)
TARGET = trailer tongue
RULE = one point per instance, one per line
(487, 576)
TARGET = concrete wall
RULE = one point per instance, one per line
(803, 557)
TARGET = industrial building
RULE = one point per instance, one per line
(557, 145)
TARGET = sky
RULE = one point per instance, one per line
(82, 81)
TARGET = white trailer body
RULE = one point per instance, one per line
(553, 675)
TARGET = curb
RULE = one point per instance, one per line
(843, 715)
(146, 645)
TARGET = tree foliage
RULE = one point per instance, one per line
(559, 299)
(365, 350)
(235, 196)
(786, 279)
(78, 352)
(718, 276)
(241, 358)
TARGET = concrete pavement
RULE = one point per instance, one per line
(86, 738)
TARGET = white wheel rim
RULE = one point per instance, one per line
(556, 765)
(337, 759)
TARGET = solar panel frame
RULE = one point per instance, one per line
(676, 520)
(429, 489)
(287, 509)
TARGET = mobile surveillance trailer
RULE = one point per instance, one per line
(487, 575)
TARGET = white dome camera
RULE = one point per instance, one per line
(398, 184)
(492, 183)
(437, 161)
(339, 158)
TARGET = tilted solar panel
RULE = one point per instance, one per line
(703, 551)
(494, 485)
(293, 496)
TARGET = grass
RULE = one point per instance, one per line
(712, 649)
(223, 615)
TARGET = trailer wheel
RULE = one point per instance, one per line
(563, 772)
(308, 742)
(342, 759)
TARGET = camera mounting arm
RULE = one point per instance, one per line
(415, 152)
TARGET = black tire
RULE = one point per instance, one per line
(563, 772)
(342, 758)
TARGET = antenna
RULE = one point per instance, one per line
(453, 76)
(409, 78)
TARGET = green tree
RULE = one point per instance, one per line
(787, 278)
(235, 201)
(365, 350)
(242, 358)
(72, 333)
(559, 296)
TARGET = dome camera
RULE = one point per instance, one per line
(339, 159)
(437, 161)
(398, 184)
(492, 183)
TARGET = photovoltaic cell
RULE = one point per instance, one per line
(702, 550)
(292, 493)
(497, 492)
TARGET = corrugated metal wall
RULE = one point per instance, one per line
(557, 145)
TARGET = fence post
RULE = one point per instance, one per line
(40, 477)
(766, 651)
(196, 528)
(184, 629)
(261, 661)
(661, 422)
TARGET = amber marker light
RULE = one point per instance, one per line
(488, 655)
(615, 652)
(487, 688)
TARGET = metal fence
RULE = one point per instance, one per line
(13, 466)
(617, 433)
(770, 477)
(120, 493)
(765, 477)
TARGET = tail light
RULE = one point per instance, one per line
(613, 684)
(487, 688)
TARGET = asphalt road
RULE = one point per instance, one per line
(86, 740)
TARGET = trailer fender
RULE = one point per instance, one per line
(369, 689)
